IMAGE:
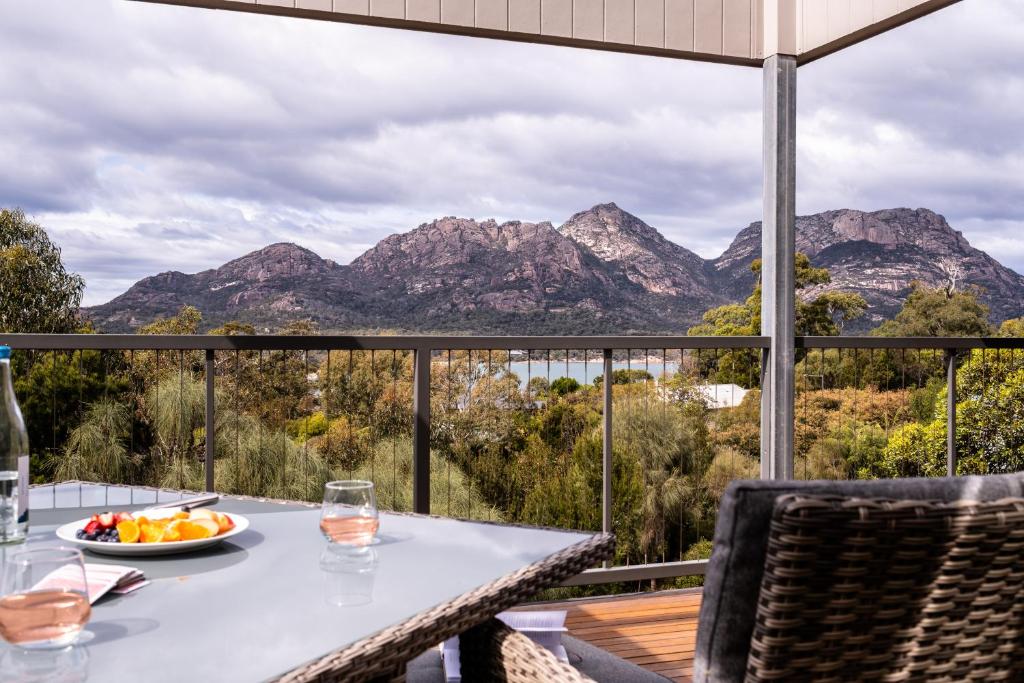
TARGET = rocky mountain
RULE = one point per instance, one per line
(878, 255)
(602, 271)
(640, 253)
(458, 266)
(267, 287)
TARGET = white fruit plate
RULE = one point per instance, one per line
(67, 533)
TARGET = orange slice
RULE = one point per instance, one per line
(180, 514)
(191, 531)
(210, 525)
(173, 532)
(150, 533)
(128, 531)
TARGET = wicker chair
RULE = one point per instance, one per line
(494, 653)
(858, 589)
(900, 580)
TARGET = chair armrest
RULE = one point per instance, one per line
(495, 652)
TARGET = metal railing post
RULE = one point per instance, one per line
(765, 414)
(951, 454)
(606, 447)
(421, 431)
(211, 424)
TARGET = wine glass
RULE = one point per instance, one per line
(349, 513)
(45, 598)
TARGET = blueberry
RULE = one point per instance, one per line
(80, 533)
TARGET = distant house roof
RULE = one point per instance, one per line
(721, 395)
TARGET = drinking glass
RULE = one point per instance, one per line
(69, 665)
(45, 598)
(349, 513)
(349, 573)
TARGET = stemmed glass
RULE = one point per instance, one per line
(45, 601)
(349, 513)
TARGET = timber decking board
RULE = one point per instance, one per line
(654, 630)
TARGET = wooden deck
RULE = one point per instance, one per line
(654, 630)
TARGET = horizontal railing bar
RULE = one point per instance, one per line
(155, 342)
(597, 342)
(924, 343)
(639, 572)
(208, 342)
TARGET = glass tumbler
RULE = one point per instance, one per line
(45, 598)
(349, 573)
(349, 514)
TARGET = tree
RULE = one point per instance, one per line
(234, 328)
(55, 390)
(564, 385)
(1012, 328)
(989, 426)
(828, 313)
(38, 294)
(626, 376)
(954, 273)
(939, 312)
(95, 449)
(185, 321)
(822, 315)
(926, 312)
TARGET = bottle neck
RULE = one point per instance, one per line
(7, 397)
(6, 383)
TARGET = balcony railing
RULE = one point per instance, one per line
(445, 399)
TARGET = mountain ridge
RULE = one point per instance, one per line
(602, 271)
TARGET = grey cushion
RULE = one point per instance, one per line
(594, 662)
(427, 668)
(604, 667)
(734, 572)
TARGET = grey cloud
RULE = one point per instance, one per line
(187, 137)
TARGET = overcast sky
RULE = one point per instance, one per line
(148, 138)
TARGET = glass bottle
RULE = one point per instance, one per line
(13, 459)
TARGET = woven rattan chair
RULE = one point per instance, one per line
(898, 580)
(861, 589)
(493, 652)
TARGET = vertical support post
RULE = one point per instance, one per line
(421, 431)
(778, 253)
(951, 454)
(606, 447)
(211, 424)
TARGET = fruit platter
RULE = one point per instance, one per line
(153, 532)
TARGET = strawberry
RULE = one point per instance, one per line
(92, 527)
(106, 520)
(122, 517)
